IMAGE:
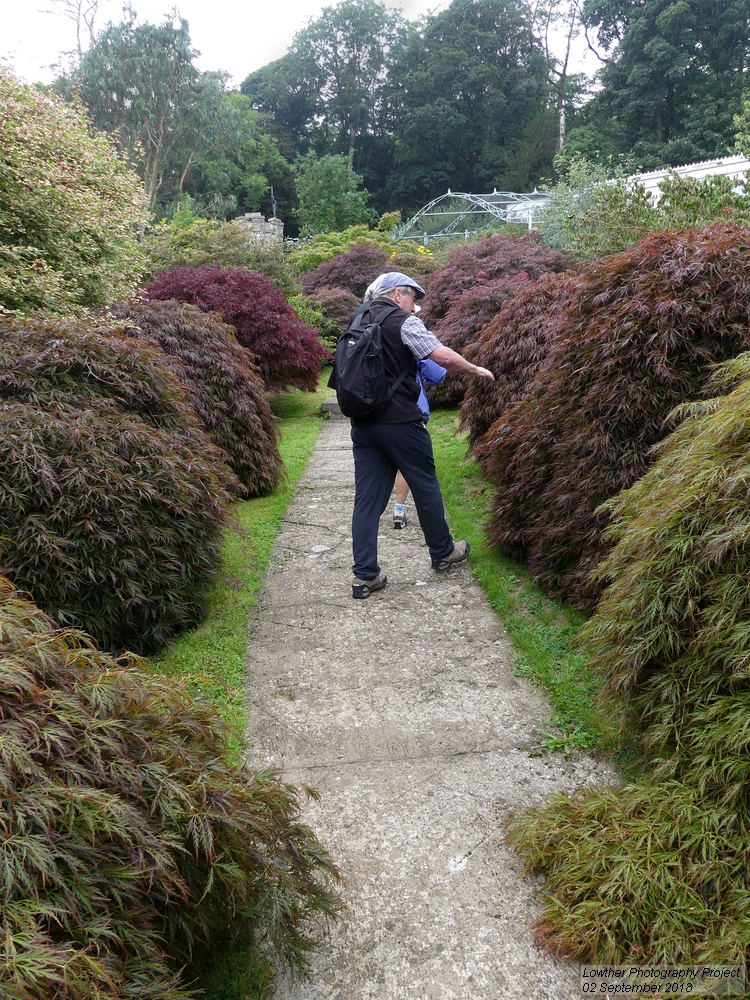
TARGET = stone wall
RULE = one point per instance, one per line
(262, 229)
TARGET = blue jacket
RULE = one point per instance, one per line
(428, 373)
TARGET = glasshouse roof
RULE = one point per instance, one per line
(459, 214)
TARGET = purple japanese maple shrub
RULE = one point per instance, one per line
(288, 352)
(222, 382)
(487, 260)
(353, 270)
(646, 327)
(338, 306)
(112, 497)
(512, 345)
(464, 322)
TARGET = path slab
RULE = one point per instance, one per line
(403, 712)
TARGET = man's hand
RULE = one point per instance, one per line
(484, 373)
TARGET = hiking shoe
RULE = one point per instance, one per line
(362, 589)
(400, 520)
(458, 555)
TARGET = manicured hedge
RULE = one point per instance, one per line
(288, 352)
(132, 841)
(112, 498)
(223, 384)
(646, 327)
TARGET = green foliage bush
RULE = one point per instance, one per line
(227, 244)
(643, 874)
(70, 207)
(416, 261)
(223, 384)
(307, 254)
(111, 496)
(592, 217)
(671, 627)
(646, 326)
(657, 871)
(133, 843)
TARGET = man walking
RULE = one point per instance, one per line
(398, 439)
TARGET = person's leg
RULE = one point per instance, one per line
(409, 447)
(402, 492)
(402, 488)
(374, 473)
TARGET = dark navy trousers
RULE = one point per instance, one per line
(380, 450)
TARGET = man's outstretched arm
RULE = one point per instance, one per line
(455, 363)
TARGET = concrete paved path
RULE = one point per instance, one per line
(403, 711)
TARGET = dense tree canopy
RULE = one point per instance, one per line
(179, 126)
(329, 194)
(472, 83)
(673, 80)
(479, 96)
(326, 92)
(415, 108)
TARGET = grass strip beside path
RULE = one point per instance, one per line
(212, 655)
(542, 631)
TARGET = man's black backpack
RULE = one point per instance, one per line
(363, 388)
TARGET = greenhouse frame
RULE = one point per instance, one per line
(457, 214)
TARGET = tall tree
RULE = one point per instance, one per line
(346, 49)
(557, 23)
(326, 91)
(240, 172)
(674, 76)
(140, 83)
(287, 101)
(83, 13)
(470, 84)
(329, 193)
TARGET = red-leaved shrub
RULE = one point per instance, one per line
(112, 498)
(646, 327)
(486, 260)
(512, 345)
(353, 270)
(464, 321)
(288, 352)
(222, 382)
(338, 307)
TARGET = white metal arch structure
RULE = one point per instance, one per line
(458, 214)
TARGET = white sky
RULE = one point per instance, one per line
(234, 35)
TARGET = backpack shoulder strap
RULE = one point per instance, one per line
(373, 315)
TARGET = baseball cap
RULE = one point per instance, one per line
(394, 279)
